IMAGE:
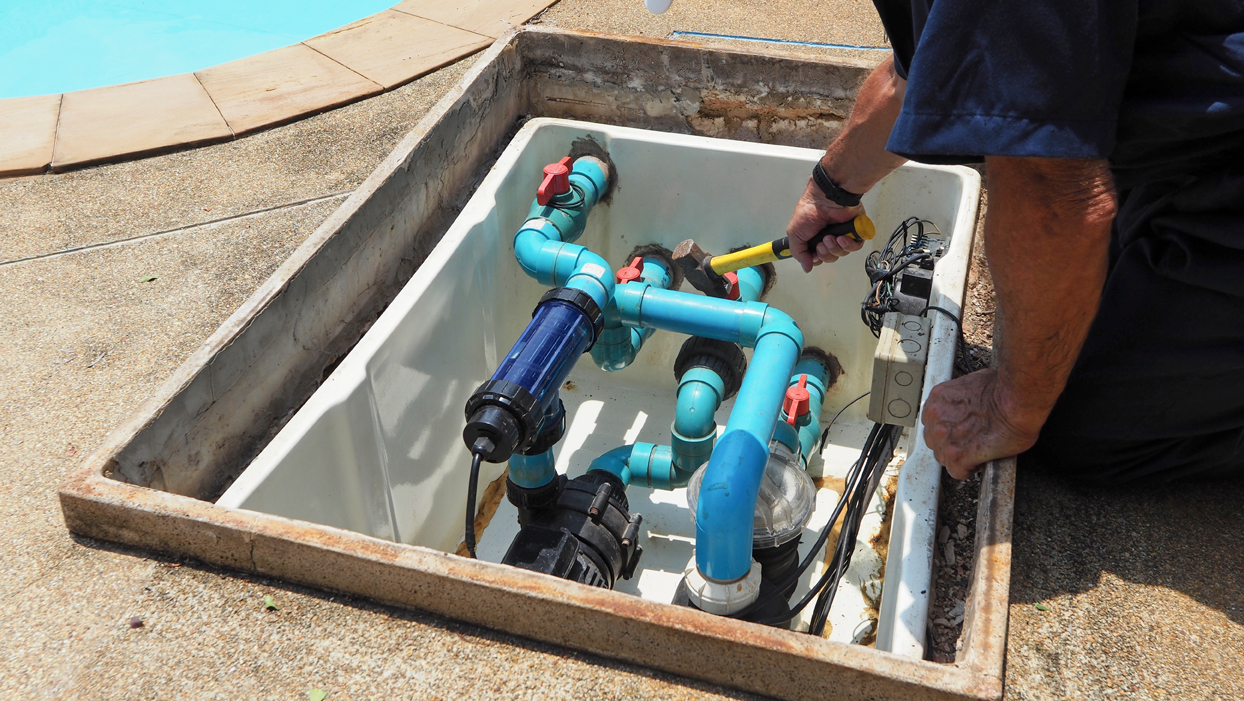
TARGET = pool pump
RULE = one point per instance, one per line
(748, 490)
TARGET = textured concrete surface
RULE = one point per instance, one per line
(490, 18)
(1143, 587)
(842, 22)
(327, 154)
(1143, 590)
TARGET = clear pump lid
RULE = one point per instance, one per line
(784, 505)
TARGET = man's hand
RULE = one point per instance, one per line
(968, 421)
(814, 212)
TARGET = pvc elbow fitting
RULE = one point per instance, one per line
(700, 393)
(615, 462)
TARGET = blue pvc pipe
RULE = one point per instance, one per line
(724, 514)
(809, 425)
(543, 244)
(751, 284)
(695, 315)
(618, 345)
(531, 471)
(694, 432)
(616, 462)
(569, 211)
(700, 393)
(644, 464)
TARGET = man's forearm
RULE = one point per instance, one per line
(855, 162)
(857, 159)
(1047, 234)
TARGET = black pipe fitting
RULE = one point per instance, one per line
(778, 563)
(581, 301)
(504, 413)
(722, 357)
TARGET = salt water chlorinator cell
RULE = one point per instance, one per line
(752, 496)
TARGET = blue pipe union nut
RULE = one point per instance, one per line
(721, 598)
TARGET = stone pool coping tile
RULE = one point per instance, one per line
(135, 118)
(489, 17)
(392, 48)
(359, 60)
(29, 128)
(279, 86)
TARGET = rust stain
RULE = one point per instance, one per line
(881, 541)
(488, 507)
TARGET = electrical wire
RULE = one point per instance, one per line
(845, 548)
(907, 246)
(966, 364)
(852, 478)
(472, 488)
(825, 434)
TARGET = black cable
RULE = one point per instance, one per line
(908, 245)
(965, 361)
(819, 586)
(849, 533)
(948, 313)
(874, 457)
(825, 433)
(472, 488)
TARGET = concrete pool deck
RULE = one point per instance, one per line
(1143, 589)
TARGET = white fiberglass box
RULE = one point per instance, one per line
(378, 449)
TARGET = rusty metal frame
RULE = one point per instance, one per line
(151, 483)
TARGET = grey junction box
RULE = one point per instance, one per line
(898, 369)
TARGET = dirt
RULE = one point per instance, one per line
(956, 533)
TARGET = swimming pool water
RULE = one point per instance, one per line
(54, 46)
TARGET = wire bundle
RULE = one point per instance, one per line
(908, 245)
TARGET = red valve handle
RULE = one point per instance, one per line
(556, 181)
(798, 400)
(733, 291)
(632, 271)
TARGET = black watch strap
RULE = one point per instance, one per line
(835, 194)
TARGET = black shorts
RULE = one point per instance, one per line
(1157, 393)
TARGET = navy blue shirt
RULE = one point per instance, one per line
(1156, 86)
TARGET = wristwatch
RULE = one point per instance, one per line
(835, 194)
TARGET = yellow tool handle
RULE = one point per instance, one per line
(860, 228)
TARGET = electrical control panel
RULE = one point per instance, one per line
(898, 369)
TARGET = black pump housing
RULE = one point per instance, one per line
(579, 529)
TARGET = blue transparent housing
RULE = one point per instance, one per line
(546, 352)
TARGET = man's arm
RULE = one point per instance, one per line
(856, 161)
(1047, 234)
